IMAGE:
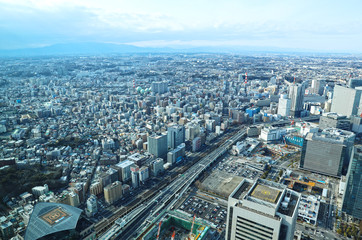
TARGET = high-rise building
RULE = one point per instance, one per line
(175, 136)
(124, 170)
(346, 101)
(327, 152)
(157, 166)
(262, 210)
(113, 192)
(177, 154)
(92, 206)
(334, 120)
(157, 145)
(284, 106)
(352, 198)
(159, 87)
(296, 96)
(318, 86)
(135, 173)
(144, 174)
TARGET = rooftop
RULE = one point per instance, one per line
(48, 218)
(266, 193)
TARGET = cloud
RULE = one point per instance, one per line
(294, 23)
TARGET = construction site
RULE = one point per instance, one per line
(175, 226)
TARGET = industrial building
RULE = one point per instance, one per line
(327, 152)
(261, 210)
(352, 198)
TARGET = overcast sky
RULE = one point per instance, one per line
(333, 25)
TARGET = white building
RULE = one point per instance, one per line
(262, 210)
(284, 106)
(272, 134)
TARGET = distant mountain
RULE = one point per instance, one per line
(75, 49)
(109, 48)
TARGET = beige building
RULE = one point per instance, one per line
(113, 192)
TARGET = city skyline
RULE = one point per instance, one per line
(327, 26)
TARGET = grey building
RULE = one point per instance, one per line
(346, 101)
(334, 120)
(318, 86)
(175, 136)
(352, 199)
(296, 96)
(157, 145)
(159, 87)
(327, 152)
(262, 210)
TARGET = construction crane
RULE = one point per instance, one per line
(159, 230)
(173, 235)
(192, 227)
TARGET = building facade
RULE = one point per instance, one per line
(157, 145)
(113, 192)
(352, 198)
(175, 136)
(296, 96)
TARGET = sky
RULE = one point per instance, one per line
(319, 25)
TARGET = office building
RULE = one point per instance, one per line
(318, 86)
(92, 206)
(175, 136)
(124, 170)
(177, 154)
(6, 229)
(356, 122)
(157, 145)
(334, 120)
(284, 106)
(113, 192)
(352, 198)
(40, 190)
(144, 174)
(346, 101)
(135, 173)
(296, 96)
(159, 87)
(157, 166)
(261, 210)
(327, 152)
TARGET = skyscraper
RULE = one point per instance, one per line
(352, 199)
(327, 152)
(346, 101)
(175, 136)
(284, 106)
(261, 210)
(157, 145)
(296, 95)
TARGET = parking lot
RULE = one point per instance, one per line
(239, 168)
(206, 210)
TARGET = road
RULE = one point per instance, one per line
(167, 197)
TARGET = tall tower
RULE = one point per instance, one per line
(296, 95)
(352, 199)
(245, 82)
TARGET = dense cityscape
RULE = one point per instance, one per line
(181, 146)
